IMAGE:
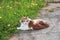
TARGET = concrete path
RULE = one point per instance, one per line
(52, 15)
(53, 1)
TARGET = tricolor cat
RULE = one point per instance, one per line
(35, 24)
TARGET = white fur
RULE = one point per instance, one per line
(24, 25)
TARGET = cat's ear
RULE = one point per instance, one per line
(26, 16)
(21, 20)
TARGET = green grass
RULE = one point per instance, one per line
(12, 10)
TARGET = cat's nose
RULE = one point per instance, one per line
(25, 23)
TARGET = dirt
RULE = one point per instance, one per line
(51, 13)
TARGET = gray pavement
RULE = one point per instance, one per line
(51, 33)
